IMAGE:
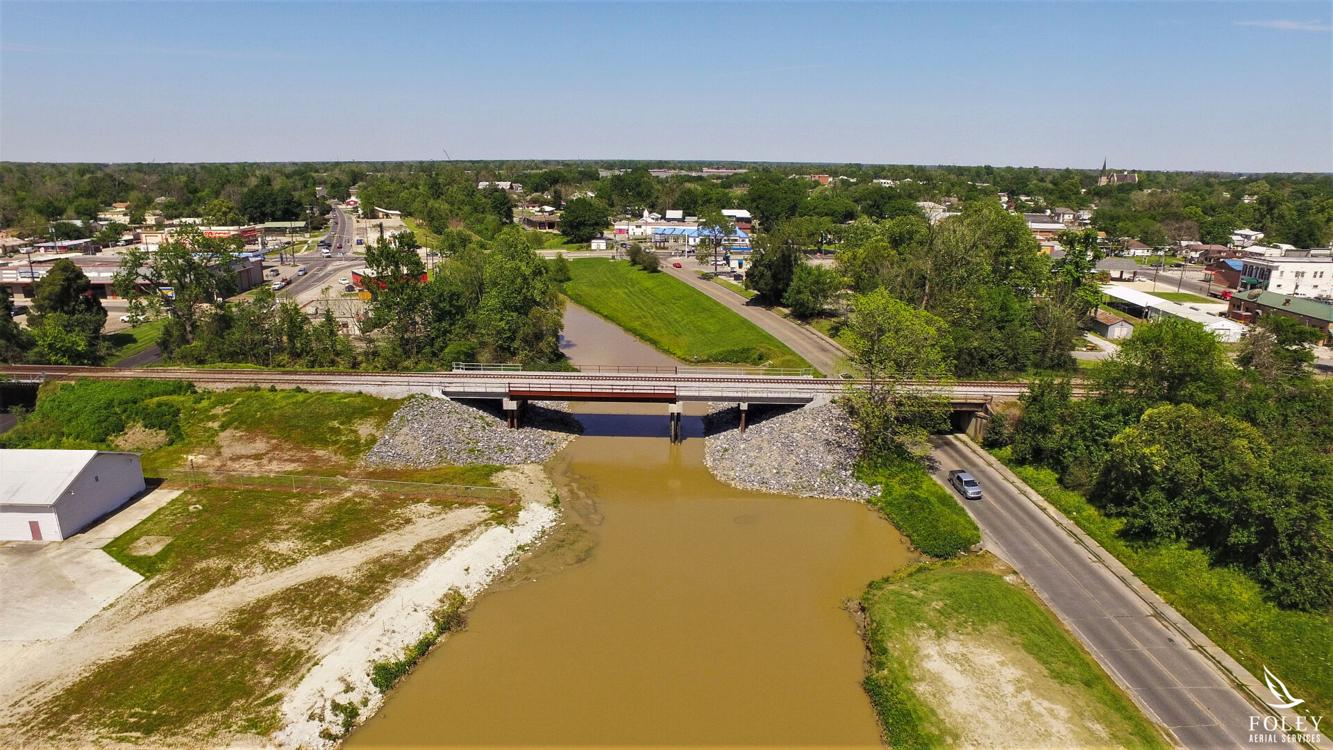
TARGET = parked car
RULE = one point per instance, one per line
(19, 310)
(133, 320)
(966, 485)
(274, 272)
(675, 264)
(344, 281)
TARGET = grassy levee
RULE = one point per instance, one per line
(1223, 602)
(921, 509)
(968, 604)
(670, 315)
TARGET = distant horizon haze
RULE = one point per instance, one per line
(1236, 87)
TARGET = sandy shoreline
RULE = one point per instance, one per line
(342, 672)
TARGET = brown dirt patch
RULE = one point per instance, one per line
(147, 546)
(998, 696)
(140, 439)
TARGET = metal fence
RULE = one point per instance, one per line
(318, 483)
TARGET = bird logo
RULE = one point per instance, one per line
(1279, 691)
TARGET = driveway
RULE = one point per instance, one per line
(1161, 667)
(51, 588)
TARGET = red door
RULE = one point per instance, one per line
(36, 529)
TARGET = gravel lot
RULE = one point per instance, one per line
(809, 451)
(429, 431)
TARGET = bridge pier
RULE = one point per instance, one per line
(513, 409)
(674, 412)
(744, 407)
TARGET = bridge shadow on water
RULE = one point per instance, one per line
(638, 420)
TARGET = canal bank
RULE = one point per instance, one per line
(668, 608)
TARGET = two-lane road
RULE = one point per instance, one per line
(1179, 686)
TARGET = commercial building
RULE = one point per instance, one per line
(19, 275)
(1144, 305)
(1308, 273)
(49, 495)
(1256, 303)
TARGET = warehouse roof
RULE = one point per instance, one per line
(39, 477)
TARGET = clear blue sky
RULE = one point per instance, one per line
(1150, 85)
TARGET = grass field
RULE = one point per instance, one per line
(668, 314)
(425, 237)
(1186, 297)
(131, 341)
(1227, 605)
(737, 288)
(963, 654)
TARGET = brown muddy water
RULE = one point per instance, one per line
(669, 610)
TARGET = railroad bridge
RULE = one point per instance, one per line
(513, 387)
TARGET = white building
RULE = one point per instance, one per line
(1302, 273)
(1147, 306)
(48, 495)
(1245, 237)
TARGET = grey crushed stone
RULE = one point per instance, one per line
(810, 451)
(428, 431)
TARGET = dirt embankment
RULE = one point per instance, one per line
(342, 674)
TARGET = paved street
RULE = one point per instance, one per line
(1178, 685)
(817, 349)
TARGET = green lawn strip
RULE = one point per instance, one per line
(1224, 603)
(970, 598)
(737, 288)
(1186, 297)
(131, 341)
(672, 316)
(925, 512)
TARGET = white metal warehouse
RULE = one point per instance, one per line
(48, 495)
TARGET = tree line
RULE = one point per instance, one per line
(1187, 446)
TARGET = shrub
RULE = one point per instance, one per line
(87, 413)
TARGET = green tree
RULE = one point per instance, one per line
(220, 212)
(1183, 473)
(64, 299)
(14, 341)
(811, 289)
(1277, 348)
(773, 198)
(180, 278)
(1169, 360)
(583, 219)
(773, 265)
(714, 231)
(891, 341)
